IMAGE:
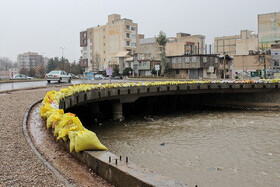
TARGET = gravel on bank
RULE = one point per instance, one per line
(19, 164)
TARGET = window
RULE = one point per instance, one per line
(127, 43)
(91, 48)
(216, 60)
(103, 36)
(187, 71)
(104, 29)
(85, 34)
(193, 59)
(133, 44)
(84, 41)
(127, 27)
(204, 59)
(104, 44)
(144, 63)
(127, 35)
(177, 71)
(90, 54)
(90, 40)
(133, 36)
(85, 55)
(104, 59)
(173, 60)
(104, 52)
(133, 28)
(276, 62)
(180, 60)
(187, 59)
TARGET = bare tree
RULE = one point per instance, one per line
(5, 63)
(96, 62)
(264, 56)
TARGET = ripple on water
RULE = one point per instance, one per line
(239, 146)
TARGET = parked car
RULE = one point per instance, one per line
(74, 76)
(20, 76)
(58, 75)
(99, 76)
(117, 77)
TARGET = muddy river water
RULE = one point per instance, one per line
(206, 148)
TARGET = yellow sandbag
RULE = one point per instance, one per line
(68, 120)
(55, 116)
(44, 109)
(65, 131)
(72, 136)
(87, 140)
(65, 120)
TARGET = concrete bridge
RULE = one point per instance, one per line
(89, 105)
(236, 95)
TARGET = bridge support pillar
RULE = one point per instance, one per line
(118, 111)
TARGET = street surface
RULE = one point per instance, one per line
(19, 85)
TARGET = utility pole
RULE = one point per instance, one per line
(264, 64)
(224, 65)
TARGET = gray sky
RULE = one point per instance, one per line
(44, 26)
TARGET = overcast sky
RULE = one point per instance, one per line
(44, 26)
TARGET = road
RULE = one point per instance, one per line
(19, 85)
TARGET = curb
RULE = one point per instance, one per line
(38, 154)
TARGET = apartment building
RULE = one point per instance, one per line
(29, 60)
(236, 44)
(182, 44)
(101, 44)
(250, 65)
(185, 43)
(268, 29)
(194, 66)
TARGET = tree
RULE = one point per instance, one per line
(96, 62)
(24, 71)
(32, 72)
(127, 71)
(5, 63)
(264, 57)
(51, 65)
(161, 41)
(40, 71)
(116, 71)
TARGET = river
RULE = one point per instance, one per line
(204, 148)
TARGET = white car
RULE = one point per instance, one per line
(99, 77)
(58, 75)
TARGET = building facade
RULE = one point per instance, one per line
(236, 44)
(194, 66)
(29, 60)
(268, 29)
(101, 44)
(246, 66)
(275, 58)
(185, 43)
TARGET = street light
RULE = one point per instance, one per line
(62, 48)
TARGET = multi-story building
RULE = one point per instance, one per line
(29, 60)
(225, 70)
(251, 65)
(268, 29)
(100, 44)
(194, 66)
(185, 43)
(236, 44)
(275, 57)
